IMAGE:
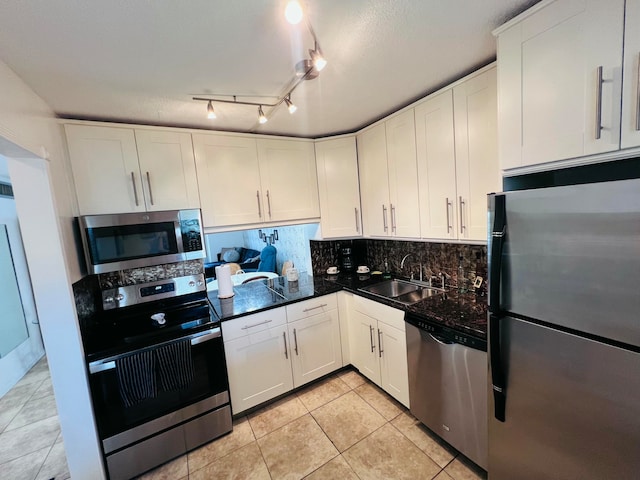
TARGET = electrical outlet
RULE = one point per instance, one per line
(477, 282)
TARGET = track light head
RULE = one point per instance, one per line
(290, 106)
(211, 114)
(319, 62)
(261, 116)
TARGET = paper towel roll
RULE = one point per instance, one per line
(225, 286)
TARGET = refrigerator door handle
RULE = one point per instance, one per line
(497, 242)
(497, 372)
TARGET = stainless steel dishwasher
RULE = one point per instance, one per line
(448, 385)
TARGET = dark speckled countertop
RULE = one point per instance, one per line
(466, 312)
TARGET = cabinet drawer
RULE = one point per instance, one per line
(383, 313)
(258, 322)
(311, 307)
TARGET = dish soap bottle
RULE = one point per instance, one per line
(462, 281)
(386, 274)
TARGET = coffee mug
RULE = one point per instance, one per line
(292, 275)
(332, 270)
(363, 269)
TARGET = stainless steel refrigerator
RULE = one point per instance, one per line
(564, 332)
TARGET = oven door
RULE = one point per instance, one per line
(120, 425)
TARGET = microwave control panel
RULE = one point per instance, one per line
(191, 235)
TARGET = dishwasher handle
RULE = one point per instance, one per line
(440, 339)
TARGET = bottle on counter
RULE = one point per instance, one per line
(386, 274)
(462, 280)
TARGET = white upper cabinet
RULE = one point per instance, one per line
(374, 181)
(631, 77)
(388, 175)
(476, 139)
(403, 176)
(338, 187)
(559, 68)
(289, 181)
(436, 166)
(168, 170)
(118, 170)
(456, 138)
(228, 179)
(244, 181)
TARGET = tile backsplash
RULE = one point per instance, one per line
(430, 257)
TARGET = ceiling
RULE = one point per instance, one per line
(142, 61)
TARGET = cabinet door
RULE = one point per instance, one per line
(259, 367)
(631, 80)
(403, 176)
(374, 181)
(363, 346)
(436, 166)
(289, 179)
(105, 169)
(168, 170)
(338, 186)
(549, 89)
(394, 375)
(476, 139)
(315, 343)
(228, 180)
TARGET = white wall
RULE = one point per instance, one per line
(46, 206)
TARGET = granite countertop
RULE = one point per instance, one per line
(464, 312)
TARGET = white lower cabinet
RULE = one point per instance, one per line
(258, 358)
(266, 356)
(378, 346)
(315, 340)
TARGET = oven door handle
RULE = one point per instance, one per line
(197, 338)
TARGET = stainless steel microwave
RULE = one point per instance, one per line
(132, 240)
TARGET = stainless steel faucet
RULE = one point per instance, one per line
(402, 266)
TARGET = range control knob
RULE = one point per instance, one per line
(108, 299)
(199, 283)
(158, 319)
(119, 297)
(192, 283)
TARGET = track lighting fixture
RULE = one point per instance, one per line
(293, 12)
(306, 69)
(211, 114)
(261, 116)
(287, 100)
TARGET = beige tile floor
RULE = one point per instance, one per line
(343, 427)
(31, 446)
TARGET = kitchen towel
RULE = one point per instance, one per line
(175, 365)
(225, 285)
(137, 377)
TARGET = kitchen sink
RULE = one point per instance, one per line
(401, 291)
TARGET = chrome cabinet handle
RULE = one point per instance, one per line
(638, 97)
(371, 337)
(295, 341)
(449, 204)
(286, 351)
(150, 191)
(135, 190)
(384, 217)
(269, 203)
(259, 206)
(357, 223)
(246, 327)
(393, 218)
(462, 225)
(599, 82)
(314, 308)
(379, 344)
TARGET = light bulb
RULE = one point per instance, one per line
(292, 108)
(211, 114)
(319, 62)
(261, 117)
(293, 12)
